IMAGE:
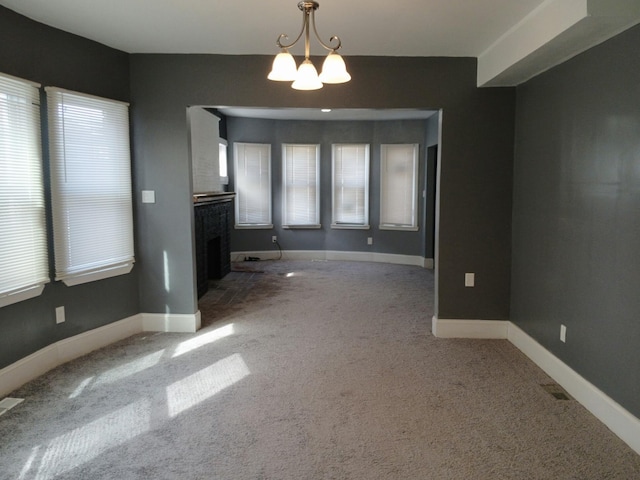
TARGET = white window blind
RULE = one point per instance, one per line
(350, 164)
(301, 178)
(398, 187)
(252, 162)
(24, 267)
(90, 186)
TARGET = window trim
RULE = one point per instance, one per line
(121, 264)
(415, 208)
(39, 275)
(367, 160)
(252, 226)
(297, 226)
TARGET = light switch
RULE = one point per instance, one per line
(60, 317)
(148, 196)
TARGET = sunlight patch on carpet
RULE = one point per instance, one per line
(81, 445)
(204, 339)
(26, 468)
(128, 369)
(80, 388)
(206, 383)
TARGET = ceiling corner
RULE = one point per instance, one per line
(553, 33)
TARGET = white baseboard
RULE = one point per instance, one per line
(168, 322)
(38, 363)
(443, 328)
(336, 255)
(608, 411)
(28, 368)
(79, 345)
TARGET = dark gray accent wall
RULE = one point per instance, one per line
(576, 215)
(475, 169)
(277, 132)
(51, 57)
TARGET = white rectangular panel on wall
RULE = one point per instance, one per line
(205, 147)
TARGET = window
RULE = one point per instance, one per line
(252, 162)
(350, 165)
(301, 181)
(398, 187)
(90, 186)
(24, 266)
(222, 155)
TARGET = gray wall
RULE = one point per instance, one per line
(277, 132)
(475, 178)
(48, 56)
(475, 188)
(576, 215)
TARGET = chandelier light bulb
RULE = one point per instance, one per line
(334, 70)
(307, 78)
(284, 67)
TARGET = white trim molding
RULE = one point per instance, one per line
(45, 359)
(79, 345)
(171, 322)
(443, 328)
(608, 411)
(38, 363)
(397, 259)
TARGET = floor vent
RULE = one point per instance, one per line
(557, 391)
(8, 403)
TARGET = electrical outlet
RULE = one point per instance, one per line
(469, 279)
(148, 196)
(370, 241)
(563, 334)
(274, 239)
(60, 315)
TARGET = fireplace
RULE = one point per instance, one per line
(212, 214)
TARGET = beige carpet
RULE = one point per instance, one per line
(307, 370)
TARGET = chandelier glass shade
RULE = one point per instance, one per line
(305, 77)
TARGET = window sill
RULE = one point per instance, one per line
(26, 294)
(301, 227)
(399, 228)
(87, 277)
(347, 226)
(265, 226)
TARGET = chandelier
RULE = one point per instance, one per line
(306, 76)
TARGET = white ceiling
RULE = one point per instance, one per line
(512, 39)
(374, 27)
